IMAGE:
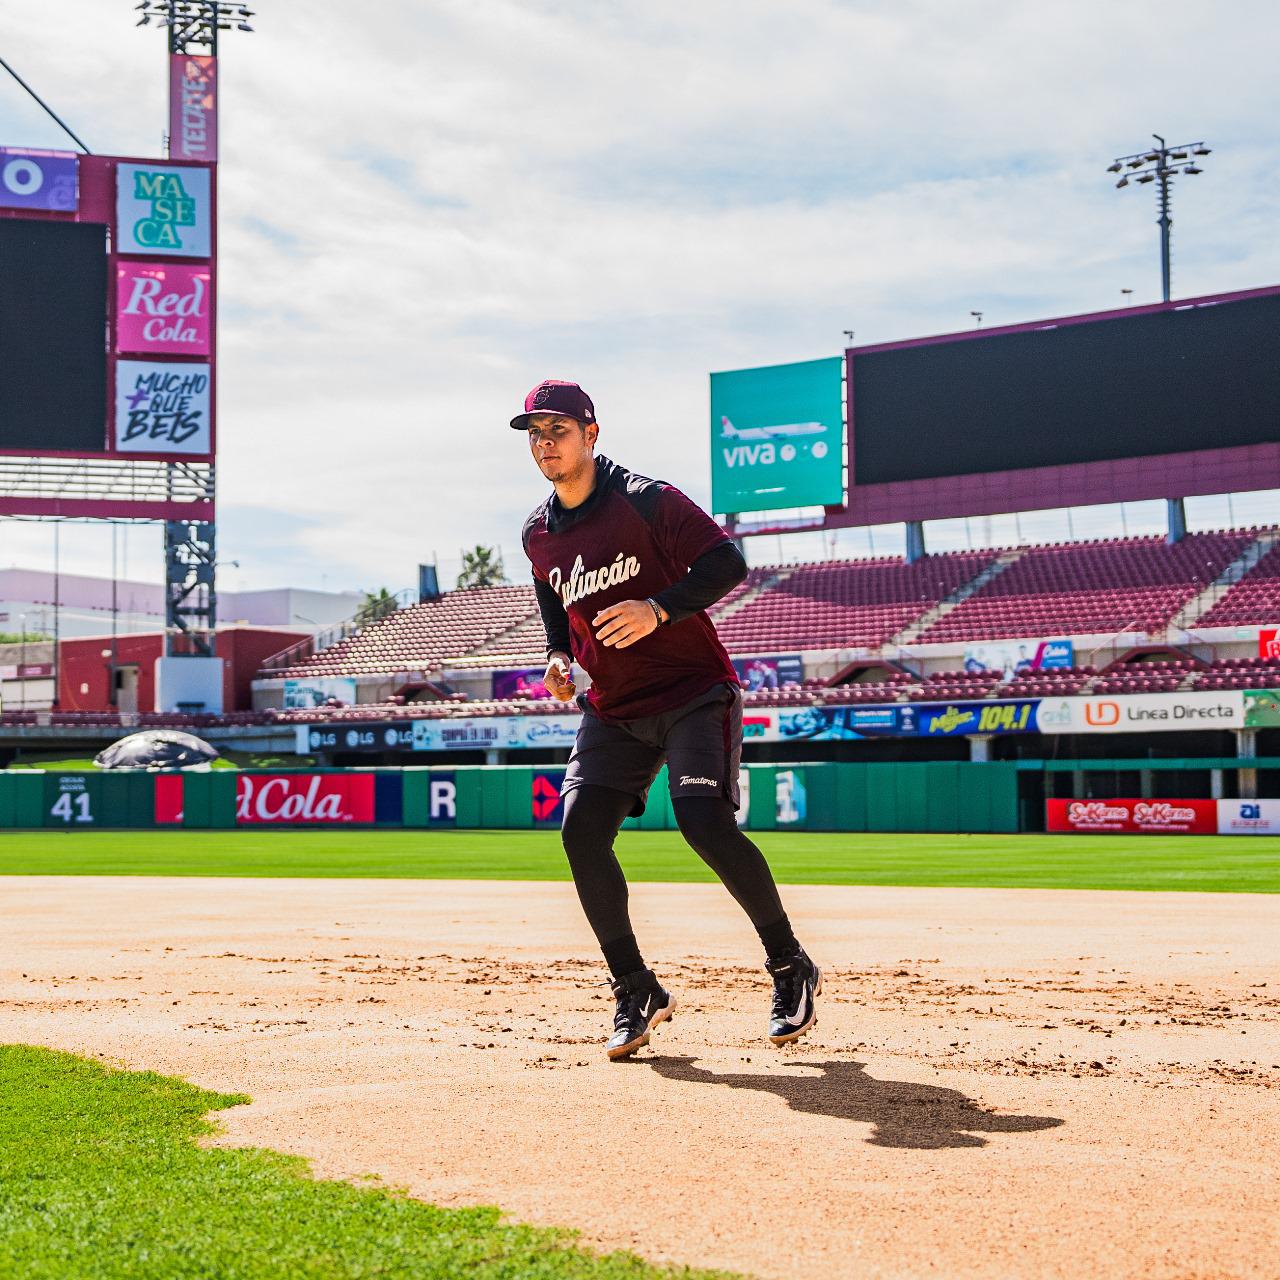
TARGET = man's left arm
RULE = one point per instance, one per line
(710, 578)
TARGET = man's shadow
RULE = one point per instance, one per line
(923, 1116)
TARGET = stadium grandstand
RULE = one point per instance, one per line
(1146, 615)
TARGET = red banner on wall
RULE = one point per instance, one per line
(1269, 642)
(305, 798)
(168, 799)
(1132, 817)
(193, 107)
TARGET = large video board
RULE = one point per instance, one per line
(53, 335)
(1168, 381)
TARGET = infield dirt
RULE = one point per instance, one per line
(1002, 1082)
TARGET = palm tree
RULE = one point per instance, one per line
(482, 567)
(377, 604)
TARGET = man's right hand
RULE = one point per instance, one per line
(558, 678)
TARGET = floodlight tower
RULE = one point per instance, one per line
(190, 546)
(194, 24)
(1160, 164)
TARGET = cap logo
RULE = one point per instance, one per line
(542, 395)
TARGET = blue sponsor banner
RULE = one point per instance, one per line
(835, 724)
(1056, 653)
(906, 720)
(32, 179)
(951, 719)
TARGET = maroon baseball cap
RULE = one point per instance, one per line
(556, 397)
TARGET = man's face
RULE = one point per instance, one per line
(561, 446)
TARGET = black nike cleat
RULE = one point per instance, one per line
(642, 1004)
(796, 980)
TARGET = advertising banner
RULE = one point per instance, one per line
(317, 798)
(953, 718)
(354, 737)
(548, 804)
(480, 733)
(1013, 657)
(45, 180)
(168, 799)
(1143, 713)
(193, 107)
(305, 694)
(525, 682)
(773, 672)
(777, 436)
(162, 408)
(834, 724)
(163, 209)
(925, 720)
(1249, 817)
(162, 308)
(1262, 708)
(790, 798)
(760, 724)
(1132, 817)
(1269, 642)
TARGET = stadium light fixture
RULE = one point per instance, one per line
(1158, 166)
(194, 24)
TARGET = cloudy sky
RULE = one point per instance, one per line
(427, 208)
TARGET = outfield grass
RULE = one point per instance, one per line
(100, 1180)
(1229, 864)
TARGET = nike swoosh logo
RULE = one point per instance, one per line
(800, 1013)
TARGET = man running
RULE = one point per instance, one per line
(624, 568)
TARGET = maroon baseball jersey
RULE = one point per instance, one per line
(632, 538)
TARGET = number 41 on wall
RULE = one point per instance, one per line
(62, 807)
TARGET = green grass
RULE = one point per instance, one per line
(1222, 864)
(100, 1180)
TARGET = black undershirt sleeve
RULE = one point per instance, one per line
(710, 578)
(554, 619)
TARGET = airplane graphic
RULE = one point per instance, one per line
(729, 432)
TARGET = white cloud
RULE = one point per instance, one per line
(427, 209)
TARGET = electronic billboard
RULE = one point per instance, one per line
(53, 335)
(1170, 381)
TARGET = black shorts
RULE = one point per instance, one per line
(701, 741)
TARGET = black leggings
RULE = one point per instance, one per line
(592, 817)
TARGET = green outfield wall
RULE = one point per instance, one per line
(936, 796)
(933, 796)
